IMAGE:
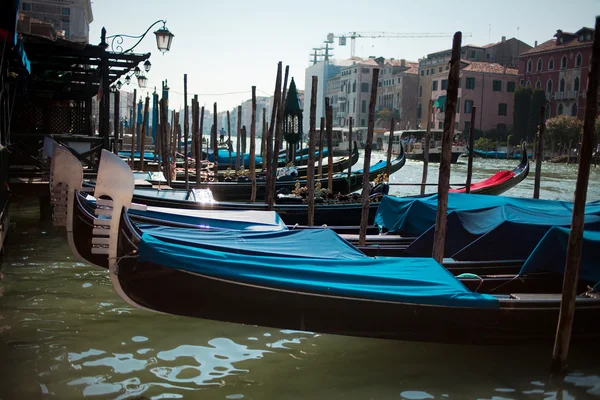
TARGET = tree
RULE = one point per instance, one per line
(386, 114)
(484, 144)
(538, 99)
(521, 112)
(564, 129)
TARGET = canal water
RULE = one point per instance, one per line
(64, 334)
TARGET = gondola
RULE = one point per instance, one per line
(333, 288)
(241, 190)
(340, 164)
(502, 180)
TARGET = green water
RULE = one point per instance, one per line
(65, 334)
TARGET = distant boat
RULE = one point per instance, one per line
(414, 140)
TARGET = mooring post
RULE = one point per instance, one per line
(389, 150)
(186, 132)
(143, 134)
(329, 126)
(269, 141)
(350, 120)
(238, 139)
(278, 139)
(444, 177)
(310, 171)
(198, 136)
(364, 218)
(164, 142)
(117, 120)
(263, 139)
(575, 244)
(426, 149)
(199, 162)
(470, 159)
(539, 153)
(229, 145)
(253, 146)
(133, 123)
(320, 160)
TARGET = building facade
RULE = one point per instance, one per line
(72, 18)
(560, 68)
(397, 91)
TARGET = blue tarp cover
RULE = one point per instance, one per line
(414, 215)
(316, 261)
(550, 255)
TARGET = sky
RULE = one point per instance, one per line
(227, 46)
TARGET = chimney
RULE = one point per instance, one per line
(403, 62)
(535, 44)
(503, 39)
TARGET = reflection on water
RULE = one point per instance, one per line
(65, 334)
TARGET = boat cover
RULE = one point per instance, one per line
(550, 255)
(248, 220)
(310, 261)
(148, 155)
(379, 165)
(414, 215)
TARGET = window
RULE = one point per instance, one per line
(365, 70)
(364, 87)
(354, 87)
(563, 62)
(354, 105)
(473, 53)
(427, 72)
(363, 106)
(398, 98)
(551, 64)
(26, 7)
(434, 85)
(548, 112)
(419, 111)
(562, 85)
(502, 109)
(440, 125)
(447, 67)
(574, 110)
(459, 80)
(440, 69)
(578, 60)
(66, 11)
(510, 87)
(529, 66)
(539, 65)
(528, 84)
(538, 84)
(432, 71)
(468, 106)
(456, 125)
(362, 122)
(421, 91)
(422, 73)
(457, 107)
(497, 86)
(444, 84)
(549, 86)
(501, 128)
(521, 82)
(470, 83)
(467, 126)
(576, 84)
(560, 109)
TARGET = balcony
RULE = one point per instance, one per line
(341, 114)
(567, 95)
(342, 99)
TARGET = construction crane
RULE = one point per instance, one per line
(383, 35)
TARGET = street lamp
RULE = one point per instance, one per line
(119, 84)
(137, 71)
(127, 80)
(163, 38)
(142, 80)
(147, 65)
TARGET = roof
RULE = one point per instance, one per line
(413, 68)
(552, 45)
(490, 68)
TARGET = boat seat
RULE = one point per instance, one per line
(536, 296)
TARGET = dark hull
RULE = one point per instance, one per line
(182, 293)
(433, 157)
(241, 191)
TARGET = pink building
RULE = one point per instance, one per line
(560, 67)
(488, 86)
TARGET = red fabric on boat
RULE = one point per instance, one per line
(498, 178)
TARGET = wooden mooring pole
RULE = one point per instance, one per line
(238, 138)
(186, 132)
(278, 139)
(389, 150)
(253, 147)
(329, 127)
(116, 121)
(574, 247)
(320, 160)
(426, 149)
(364, 219)
(132, 130)
(165, 153)
(199, 160)
(269, 140)
(310, 172)
(539, 153)
(215, 143)
(444, 177)
(471, 141)
(229, 145)
(143, 134)
(350, 121)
